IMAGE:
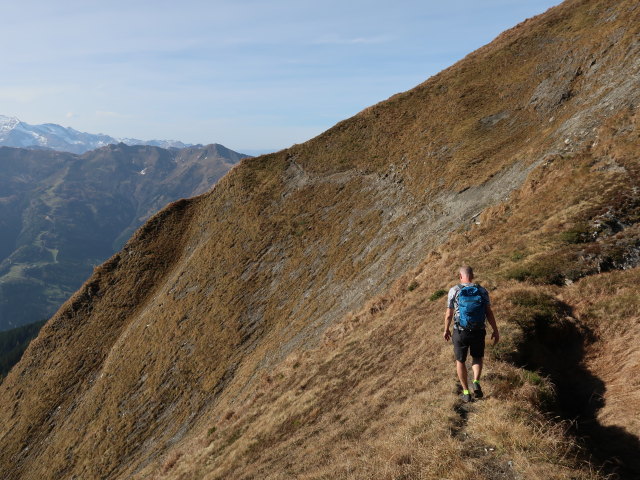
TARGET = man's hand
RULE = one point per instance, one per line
(496, 336)
(448, 316)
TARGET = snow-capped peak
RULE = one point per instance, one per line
(14, 133)
(8, 123)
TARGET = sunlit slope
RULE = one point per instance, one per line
(160, 351)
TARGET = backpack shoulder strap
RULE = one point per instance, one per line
(456, 313)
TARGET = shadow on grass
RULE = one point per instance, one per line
(556, 346)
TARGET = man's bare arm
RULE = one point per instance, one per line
(448, 316)
(492, 321)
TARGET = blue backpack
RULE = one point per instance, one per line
(471, 307)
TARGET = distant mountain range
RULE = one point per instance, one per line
(15, 133)
(62, 214)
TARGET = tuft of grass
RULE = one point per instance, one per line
(437, 294)
(412, 286)
(519, 273)
(233, 437)
(506, 349)
(546, 270)
(533, 377)
(578, 234)
(517, 256)
(509, 383)
(171, 461)
(532, 308)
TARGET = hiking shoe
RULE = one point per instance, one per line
(466, 397)
(477, 391)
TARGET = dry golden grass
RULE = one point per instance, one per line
(277, 327)
(610, 306)
(376, 399)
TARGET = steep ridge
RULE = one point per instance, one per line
(376, 398)
(168, 361)
(63, 214)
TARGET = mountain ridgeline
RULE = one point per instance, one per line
(49, 136)
(63, 214)
(280, 326)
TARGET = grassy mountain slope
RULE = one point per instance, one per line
(269, 328)
(376, 398)
(63, 214)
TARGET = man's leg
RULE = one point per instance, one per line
(461, 368)
(476, 366)
(460, 348)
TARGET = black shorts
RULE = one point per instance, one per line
(463, 340)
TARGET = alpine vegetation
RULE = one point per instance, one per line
(289, 322)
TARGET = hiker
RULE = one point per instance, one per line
(468, 304)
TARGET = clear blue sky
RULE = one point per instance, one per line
(252, 75)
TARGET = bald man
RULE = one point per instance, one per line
(469, 306)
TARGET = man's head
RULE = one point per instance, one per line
(466, 274)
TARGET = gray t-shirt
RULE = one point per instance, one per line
(452, 298)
